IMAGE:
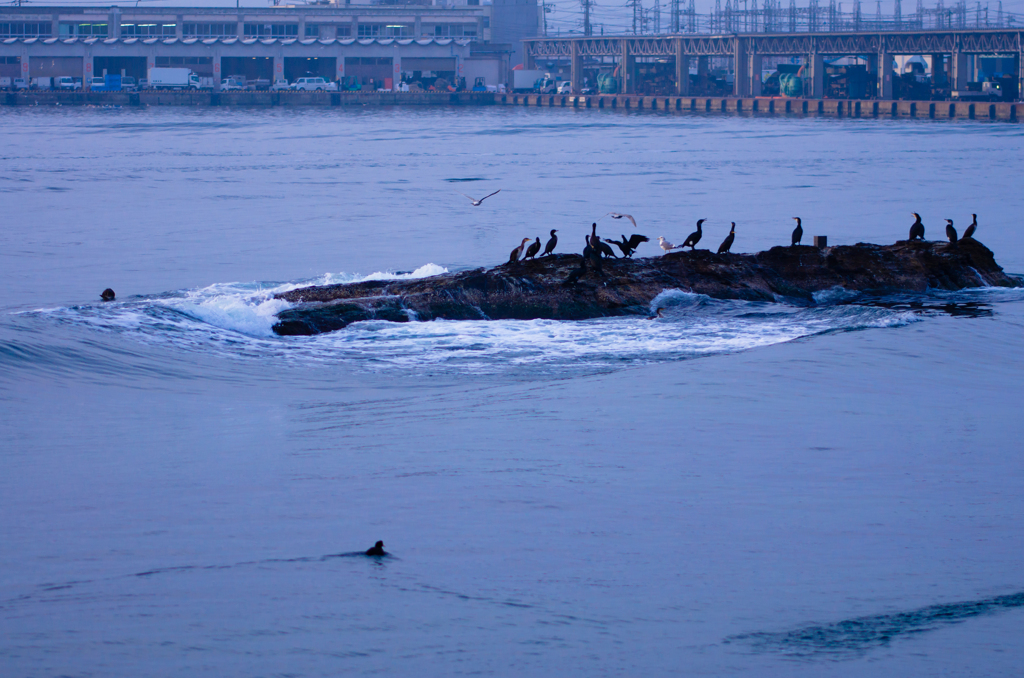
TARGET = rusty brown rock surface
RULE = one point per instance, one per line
(538, 288)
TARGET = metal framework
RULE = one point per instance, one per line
(991, 41)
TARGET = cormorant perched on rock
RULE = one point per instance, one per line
(550, 247)
(694, 238)
(597, 245)
(107, 295)
(727, 243)
(798, 232)
(589, 255)
(593, 255)
(635, 240)
(517, 252)
(950, 231)
(917, 229)
(377, 550)
(969, 233)
(532, 250)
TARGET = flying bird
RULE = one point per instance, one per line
(616, 215)
(476, 203)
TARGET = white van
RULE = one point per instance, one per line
(317, 84)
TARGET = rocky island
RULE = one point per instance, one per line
(544, 288)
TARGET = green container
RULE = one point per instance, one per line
(791, 85)
(607, 84)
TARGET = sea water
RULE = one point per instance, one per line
(734, 488)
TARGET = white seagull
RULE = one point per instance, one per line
(666, 245)
(616, 215)
(476, 203)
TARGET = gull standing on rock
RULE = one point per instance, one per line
(476, 203)
(665, 244)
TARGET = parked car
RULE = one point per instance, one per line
(565, 87)
(128, 84)
(98, 84)
(317, 84)
(230, 84)
(67, 83)
(19, 83)
(280, 85)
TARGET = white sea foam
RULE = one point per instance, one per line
(237, 319)
(834, 295)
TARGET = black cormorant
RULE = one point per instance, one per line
(917, 229)
(622, 245)
(950, 231)
(377, 550)
(727, 243)
(517, 252)
(969, 233)
(550, 247)
(694, 238)
(635, 240)
(107, 295)
(798, 232)
(532, 250)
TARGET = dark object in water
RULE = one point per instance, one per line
(107, 295)
(377, 550)
(558, 287)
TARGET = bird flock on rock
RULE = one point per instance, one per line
(597, 248)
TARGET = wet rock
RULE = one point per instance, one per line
(538, 289)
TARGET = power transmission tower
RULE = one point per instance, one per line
(897, 14)
(674, 15)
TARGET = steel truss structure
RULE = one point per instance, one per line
(969, 41)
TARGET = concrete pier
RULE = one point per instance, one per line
(835, 108)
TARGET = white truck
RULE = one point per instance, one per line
(524, 81)
(67, 83)
(173, 78)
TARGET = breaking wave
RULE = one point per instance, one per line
(236, 320)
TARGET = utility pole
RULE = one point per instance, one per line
(638, 15)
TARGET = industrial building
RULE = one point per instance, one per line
(383, 42)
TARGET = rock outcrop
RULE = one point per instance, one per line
(538, 288)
